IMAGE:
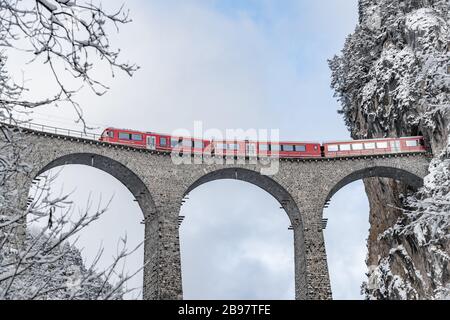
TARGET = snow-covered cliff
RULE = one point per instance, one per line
(393, 79)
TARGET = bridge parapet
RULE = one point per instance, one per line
(42, 128)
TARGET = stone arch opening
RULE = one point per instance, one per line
(129, 196)
(283, 200)
(264, 182)
(347, 237)
(116, 169)
(402, 175)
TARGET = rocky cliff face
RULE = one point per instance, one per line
(393, 79)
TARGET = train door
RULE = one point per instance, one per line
(250, 149)
(151, 142)
(395, 146)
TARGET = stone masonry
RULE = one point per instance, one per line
(159, 185)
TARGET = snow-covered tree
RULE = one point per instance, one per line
(393, 74)
(47, 269)
(44, 262)
(393, 79)
(70, 38)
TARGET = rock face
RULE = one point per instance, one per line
(393, 79)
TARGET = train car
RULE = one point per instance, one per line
(373, 147)
(413, 144)
(300, 150)
(290, 149)
(160, 142)
(154, 141)
(123, 136)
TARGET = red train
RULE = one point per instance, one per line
(187, 145)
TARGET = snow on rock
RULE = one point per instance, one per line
(395, 75)
(424, 228)
(421, 20)
(373, 21)
(393, 79)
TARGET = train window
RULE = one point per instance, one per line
(333, 148)
(275, 147)
(163, 142)
(174, 142)
(187, 143)
(302, 148)
(382, 145)
(232, 146)
(198, 145)
(287, 147)
(124, 136)
(136, 137)
(345, 147)
(411, 143)
(220, 145)
(369, 146)
(110, 134)
(357, 146)
(263, 147)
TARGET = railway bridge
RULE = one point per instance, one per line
(301, 186)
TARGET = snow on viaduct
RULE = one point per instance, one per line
(302, 187)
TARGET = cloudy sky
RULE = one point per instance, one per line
(230, 64)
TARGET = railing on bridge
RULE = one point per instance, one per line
(54, 130)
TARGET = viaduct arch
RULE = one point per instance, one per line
(285, 200)
(407, 177)
(301, 186)
(119, 171)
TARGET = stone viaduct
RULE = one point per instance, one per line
(302, 187)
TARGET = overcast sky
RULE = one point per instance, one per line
(230, 64)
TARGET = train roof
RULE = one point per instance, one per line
(369, 140)
(151, 132)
